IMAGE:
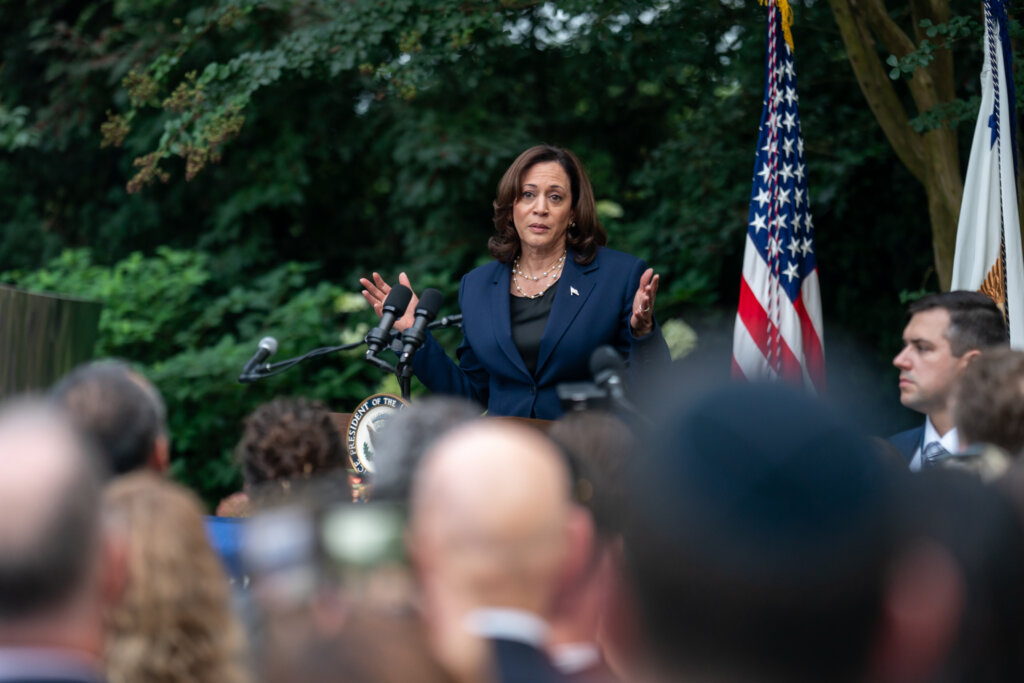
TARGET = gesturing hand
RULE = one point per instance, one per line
(376, 290)
(642, 320)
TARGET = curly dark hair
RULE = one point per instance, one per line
(289, 439)
(583, 238)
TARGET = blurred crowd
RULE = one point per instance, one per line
(747, 533)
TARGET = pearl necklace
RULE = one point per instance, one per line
(553, 272)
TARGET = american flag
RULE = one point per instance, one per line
(778, 332)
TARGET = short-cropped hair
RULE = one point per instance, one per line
(975, 322)
(122, 415)
(990, 400)
(599, 446)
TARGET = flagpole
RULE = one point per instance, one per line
(988, 255)
(778, 333)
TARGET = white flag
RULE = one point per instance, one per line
(988, 250)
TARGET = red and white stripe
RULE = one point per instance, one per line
(776, 338)
(786, 345)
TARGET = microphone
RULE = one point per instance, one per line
(393, 309)
(267, 348)
(609, 371)
(426, 311)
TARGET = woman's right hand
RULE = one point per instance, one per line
(375, 290)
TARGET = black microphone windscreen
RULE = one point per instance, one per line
(430, 303)
(398, 299)
(605, 358)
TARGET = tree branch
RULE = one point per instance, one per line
(942, 67)
(922, 85)
(878, 88)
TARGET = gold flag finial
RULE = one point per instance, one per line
(786, 13)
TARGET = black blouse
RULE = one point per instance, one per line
(529, 318)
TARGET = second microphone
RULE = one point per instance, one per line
(413, 338)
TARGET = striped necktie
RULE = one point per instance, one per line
(933, 454)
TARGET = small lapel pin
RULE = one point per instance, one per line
(573, 291)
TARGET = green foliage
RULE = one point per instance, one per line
(393, 46)
(680, 337)
(14, 131)
(946, 37)
(956, 29)
(191, 337)
(907, 296)
(950, 114)
(258, 137)
(144, 299)
(912, 61)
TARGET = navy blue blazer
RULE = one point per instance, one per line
(908, 442)
(521, 663)
(592, 307)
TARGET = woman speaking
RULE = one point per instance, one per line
(553, 294)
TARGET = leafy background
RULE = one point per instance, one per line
(214, 172)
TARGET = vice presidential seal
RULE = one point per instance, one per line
(368, 419)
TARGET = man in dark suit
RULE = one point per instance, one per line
(58, 569)
(945, 332)
(493, 536)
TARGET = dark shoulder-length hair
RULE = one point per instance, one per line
(583, 237)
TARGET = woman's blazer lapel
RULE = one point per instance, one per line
(576, 285)
(501, 316)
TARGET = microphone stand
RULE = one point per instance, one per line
(271, 369)
(404, 370)
(403, 373)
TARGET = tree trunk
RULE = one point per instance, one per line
(944, 187)
(932, 157)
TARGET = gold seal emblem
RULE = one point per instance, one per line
(368, 419)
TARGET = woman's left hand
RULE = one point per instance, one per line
(642, 320)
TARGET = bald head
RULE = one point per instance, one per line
(49, 511)
(490, 512)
